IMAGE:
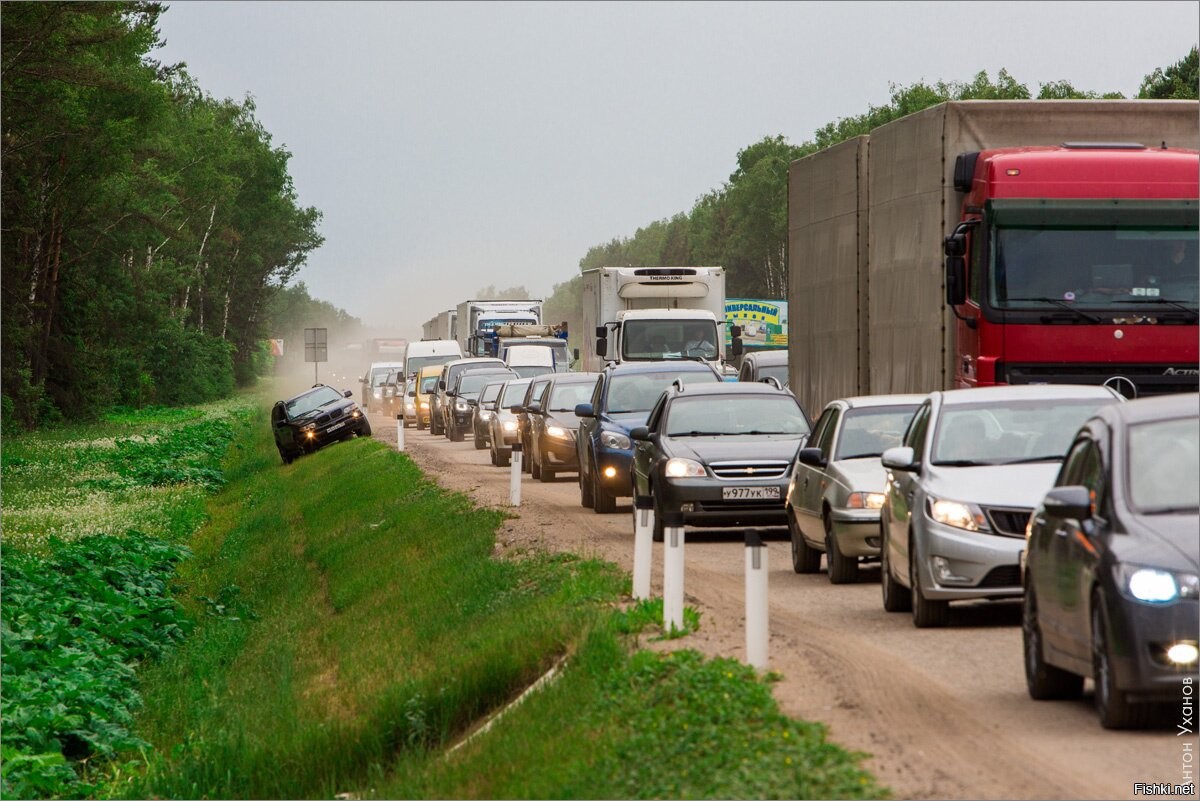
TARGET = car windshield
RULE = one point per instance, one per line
(469, 385)
(1163, 467)
(735, 415)
(414, 363)
(491, 392)
(311, 400)
(531, 370)
(870, 432)
(656, 340)
(514, 393)
(1009, 432)
(429, 384)
(565, 397)
(638, 392)
(378, 375)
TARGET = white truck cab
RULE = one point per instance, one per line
(661, 334)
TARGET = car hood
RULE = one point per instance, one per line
(1014, 485)
(320, 410)
(862, 475)
(766, 447)
(627, 421)
(1164, 541)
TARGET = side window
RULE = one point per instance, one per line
(744, 375)
(656, 413)
(819, 429)
(825, 440)
(1092, 477)
(597, 395)
(1072, 468)
(915, 436)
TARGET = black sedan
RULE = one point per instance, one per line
(721, 454)
(314, 418)
(1111, 587)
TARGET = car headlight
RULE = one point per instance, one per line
(684, 468)
(865, 500)
(558, 432)
(409, 405)
(309, 427)
(485, 415)
(378, 392)
(510, 425)
(1153, 586)
(461, 406)
(615, 440)
(966, 516)
(354, 413)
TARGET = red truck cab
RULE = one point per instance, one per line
(1077, 264)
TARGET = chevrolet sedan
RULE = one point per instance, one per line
(960, 490)
(720, 453)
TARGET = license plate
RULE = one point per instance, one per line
(750, 493)
(335, 427)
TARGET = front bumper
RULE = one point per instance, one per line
(337, 430)
(558, 454)
(988, 563)
(856, 531)
(615, 481)
(700, 500)
(1139, 636)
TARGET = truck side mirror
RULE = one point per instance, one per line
(955, 244)
(735, 331)
(576, 352)
(735, 347)
(602, 346)
(601, 331)
(956, 280)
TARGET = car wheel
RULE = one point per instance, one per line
(547, 475)
(455, 434)
(586, 489)
(434, 428)
(364, 429)
(420, 425)
(605, 502)
(896, 597)
(926, 614)
(286, 456)
(479, 443)
(659, 529)
(1045, 682)
(804, 558)
(842, 569)
(492, 455)
(535, 470)
(1113, 706)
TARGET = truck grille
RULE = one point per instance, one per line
(757, 471)
(1149, 379)
(1009, 522)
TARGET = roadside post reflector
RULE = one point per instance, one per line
(643, 546)
(400, 433)
(514, 476)
(757, 630)
(672, 571)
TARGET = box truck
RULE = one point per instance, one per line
(652, 313)
(992, 242)
(479, 319)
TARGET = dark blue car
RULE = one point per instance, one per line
(623, 398)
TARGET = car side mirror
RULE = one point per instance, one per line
(441, 384)
(584, 410)
(900, 459)
(534, 408)
(451, 393)
(1069, 502)
(640, 434)
(516, 408)
(811, 457)
(348, 393)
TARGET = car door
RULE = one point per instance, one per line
(588, 430)
(901, 490)
(811, 479)
(279, 426)
(646, 453)
(537, 420)
(1081, 555)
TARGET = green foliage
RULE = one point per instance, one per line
(146, 223)
(1180, 81)
(649, 614)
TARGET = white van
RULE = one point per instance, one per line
(528, 361)
(372, 384)
(427, 353)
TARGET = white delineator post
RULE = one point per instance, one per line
(672, 571)
(514, 476)
(757, 630)
(400, 433)
(643, 545)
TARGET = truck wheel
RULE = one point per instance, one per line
(1045, 682)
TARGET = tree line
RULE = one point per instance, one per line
(146, 226)
(742, 225)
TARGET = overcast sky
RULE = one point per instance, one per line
(455, 145)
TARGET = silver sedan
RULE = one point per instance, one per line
(836, 490)
(960, 491)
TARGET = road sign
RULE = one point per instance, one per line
(276, 347)
(316, 347)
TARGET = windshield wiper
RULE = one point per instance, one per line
(701, 434)
(1066, 306)
(962, 463)
(1168, 510)
(1188, 310)
(756, 432)
(866, 456)
(1048, 457)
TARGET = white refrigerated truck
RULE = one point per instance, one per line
(652, 314)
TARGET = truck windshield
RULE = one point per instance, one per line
(656, 340)
(1121, 265)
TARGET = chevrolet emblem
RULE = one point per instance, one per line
(750, 471)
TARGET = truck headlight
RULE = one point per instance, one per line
(615, 440)
(966, 516)
(684, 468)
(558, 432)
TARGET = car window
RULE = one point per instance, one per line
(429, 384)
(1006, 432)
(825, 440)
(638, 392)
(734, 415)
(745, 373)
(1072, 469)
(1093, 476)
(565, 397)
(915, 436)
(871, 431)
(535, 391)
(656, 413)
(1163, 466)
(821, 426)
(490, 392)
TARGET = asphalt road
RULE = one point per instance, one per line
(944, 713)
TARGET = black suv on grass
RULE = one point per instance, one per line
(314, 418)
